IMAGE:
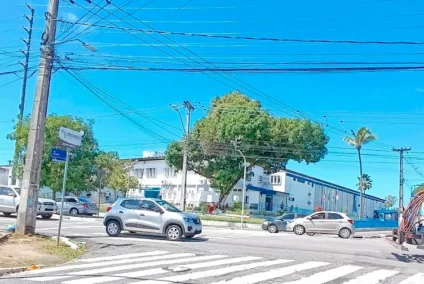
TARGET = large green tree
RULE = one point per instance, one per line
(390, 201)
(81, 164)
(116, 172)
(358, 140)
(266, 140)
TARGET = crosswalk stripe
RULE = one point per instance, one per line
(148, 264)
(328, 275)
(148, 256)
(373, 277)
(196, 265)
(416, 279)
(93, 280)
(48, 278)
(212, 272)
(114, 257)
(271, 274)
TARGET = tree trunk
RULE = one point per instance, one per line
(222, 197)
(360, 184)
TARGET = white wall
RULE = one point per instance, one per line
(303, 193)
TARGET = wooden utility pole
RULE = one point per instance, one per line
(32, 170)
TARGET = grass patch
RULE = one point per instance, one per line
(231, 219)
(28, 250)
(63, 251)
(103, 208)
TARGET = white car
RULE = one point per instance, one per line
(9, 202)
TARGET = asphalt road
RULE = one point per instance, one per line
(225, 255)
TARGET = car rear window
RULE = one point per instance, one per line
(334, 216)
(84, 200)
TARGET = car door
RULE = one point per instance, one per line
(128, 212)
(150, 216)
(314, 223)
(2, 199)
(8, 202)
(334, 222)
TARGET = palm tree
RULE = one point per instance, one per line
(361, 137)
(365, 182)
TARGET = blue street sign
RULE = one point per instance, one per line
(58, 155)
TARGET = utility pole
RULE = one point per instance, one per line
(189, 108)
(401, 180)
(244, 184)
(24, 82)
(25, 64)
(32, 170)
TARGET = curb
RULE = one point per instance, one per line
(372, 236)
(13, 270)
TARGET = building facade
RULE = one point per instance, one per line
(286, 189)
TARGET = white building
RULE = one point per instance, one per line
(285, 189)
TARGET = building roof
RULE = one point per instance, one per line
(330, 184)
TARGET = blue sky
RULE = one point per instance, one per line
(389, 103)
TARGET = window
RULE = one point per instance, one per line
(169, 207)
(148, 206)
(71, 200)
(151, 172)
(139, 173)
(167, 172)
(334, 216)
(131, 204)
(275, 179)
(318, 216)
(5, 191)
(288, 217)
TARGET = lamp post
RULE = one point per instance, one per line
(244, 187)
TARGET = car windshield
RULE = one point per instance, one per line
(84, 200)
(169, 207)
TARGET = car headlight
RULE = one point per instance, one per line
(188, 220)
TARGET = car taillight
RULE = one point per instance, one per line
(85, 205)
(108, 209)
(350, 221)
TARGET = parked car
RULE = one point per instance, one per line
(324, 222)
(9, 202)
(77, 206)
(151, 215)
(280, 223)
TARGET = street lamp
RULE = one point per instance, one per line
(84, 44)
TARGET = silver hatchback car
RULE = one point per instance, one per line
(323, 222)
(150, 215)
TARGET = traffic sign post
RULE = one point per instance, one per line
(70, 139)
(63, 194)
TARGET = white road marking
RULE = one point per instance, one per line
(114, 257)
(45, 279)
(373, 277)
(272, 274)
(416, 279)
(147, 264)
(93, 280)
(328, 275)
(212, 272)
(148, 257)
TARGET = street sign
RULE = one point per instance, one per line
(58, 155)
(70, 138)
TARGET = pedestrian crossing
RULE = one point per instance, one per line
(163, 267)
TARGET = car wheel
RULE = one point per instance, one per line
(74, 211)
(174, 233)
(113, 228)
(272, 229)
(345, 233)
(299, 230)
(311, 234)
(46, 216)
(7, 213)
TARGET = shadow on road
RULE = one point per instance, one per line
(140, 236)
(409, 258)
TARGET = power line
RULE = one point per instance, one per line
(254, 38)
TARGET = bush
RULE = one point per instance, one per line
(236, 205)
